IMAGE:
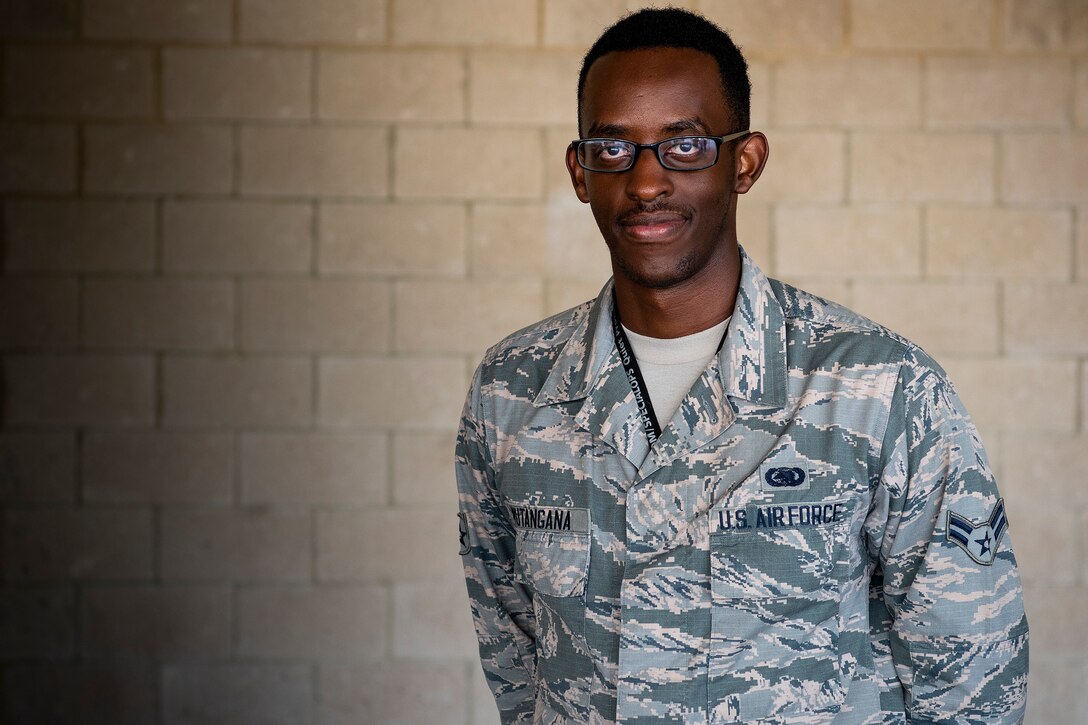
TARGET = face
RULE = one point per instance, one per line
(663, 227)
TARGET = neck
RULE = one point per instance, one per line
(695, 304)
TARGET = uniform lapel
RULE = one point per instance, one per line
(751, 365)
(589, 369)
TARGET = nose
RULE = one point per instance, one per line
(648, 179)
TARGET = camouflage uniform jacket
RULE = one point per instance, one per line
(816, 536)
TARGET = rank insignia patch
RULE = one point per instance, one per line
(462, 534)
(979, 540)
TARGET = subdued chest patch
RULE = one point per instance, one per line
(979, 540)
(783, 477)
(550, 518)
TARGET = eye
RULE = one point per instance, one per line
(612, 151)
(687, 147)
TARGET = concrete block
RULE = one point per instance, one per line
(399, 544)
(157, 467)
(236, 236)
(577, 23)
(240, 391)
(836, 290)
(1046, 25)
(100, 693)
(523, 87)
(1057, 690)
(465, 22)
(83, 82)
(754, 233)
(804, 166)
(557, 183)
(1051, 559)
(37, 467)
(1044, 317)
(856, 92)
(158, 20)
(391, 239)
(432, 621)
(974, 92)
(342, 315)
(1029, 465)
(847, 242)
(330, 623)
(38, 157)
(1080, 98)
(899, 167)
(391, 393)
(484, 709)
(560, 295)
(241, 694)
(997, 242)
(1038, 390)
(39, 313)
(315, 468)
(1058, 626)
(147, 159)
(37, 19)
(239, 545)
(1051, 168)
(958, 318)
(165, 314)
(78, 390)
(236, 83)
(556, 239)
(312, 22)
(776, 26)
(464, 317)
(190, 622)
(423, 469)
(466, 163)
(315, 161)
(411, 85)
(37, 623)
(77, 543)
(921, 25)
(79, 236)
(1081, 249)
(393, 691)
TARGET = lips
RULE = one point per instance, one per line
(652, 226)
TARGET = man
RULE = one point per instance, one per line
(707, 496)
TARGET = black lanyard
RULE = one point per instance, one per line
(634, 376)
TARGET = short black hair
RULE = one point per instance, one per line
(677, 28)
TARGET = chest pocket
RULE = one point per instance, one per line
(552, 548)
(553, 563)
(775, 618)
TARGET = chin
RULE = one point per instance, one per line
(656, 278)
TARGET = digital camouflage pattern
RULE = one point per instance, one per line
(781, 555)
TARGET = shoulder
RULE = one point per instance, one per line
(540, 340)
(823, 325)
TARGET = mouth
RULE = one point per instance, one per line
(652, 227)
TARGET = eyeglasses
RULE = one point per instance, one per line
(682, 153)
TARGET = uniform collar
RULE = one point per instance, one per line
(752, 359)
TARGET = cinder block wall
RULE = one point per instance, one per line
(252, 250)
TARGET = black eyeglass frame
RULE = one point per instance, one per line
(718, 141)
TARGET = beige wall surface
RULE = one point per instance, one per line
(253, 249)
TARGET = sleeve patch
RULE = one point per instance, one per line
(979, 539)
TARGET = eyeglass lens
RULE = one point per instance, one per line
(687, 153)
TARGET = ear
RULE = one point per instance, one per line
(577, 175)
(752, 155)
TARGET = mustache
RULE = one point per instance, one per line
(658, 208)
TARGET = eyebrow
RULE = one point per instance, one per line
(614, 130)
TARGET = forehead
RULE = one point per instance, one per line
(649, 89)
